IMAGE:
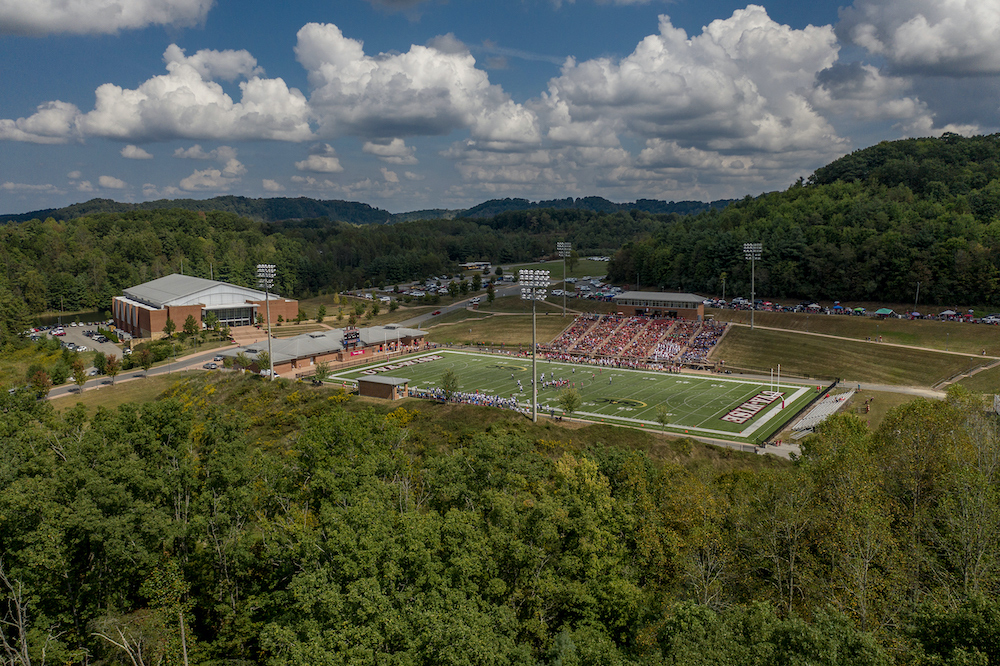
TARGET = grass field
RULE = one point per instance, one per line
(942, 335)
(817, 356)
(695, 404)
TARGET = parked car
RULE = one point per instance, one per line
(210, 366)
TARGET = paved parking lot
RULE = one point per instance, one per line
(75, 335)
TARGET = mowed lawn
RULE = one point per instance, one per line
(818, 356)
(694, 404)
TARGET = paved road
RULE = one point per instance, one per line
(194, 360)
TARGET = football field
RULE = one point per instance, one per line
(719, 406)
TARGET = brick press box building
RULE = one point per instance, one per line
(143, 310)
(660, 304)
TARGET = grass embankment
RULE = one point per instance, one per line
(986, 381)
(125, 391)
(493, 330)
(817, 356)
(942, 335)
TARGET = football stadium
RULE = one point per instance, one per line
(708, 405)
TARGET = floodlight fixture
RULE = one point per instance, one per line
(533, 288)
(752, 253)
(563, 249)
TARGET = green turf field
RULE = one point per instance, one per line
(707, 405)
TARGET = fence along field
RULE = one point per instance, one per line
(717, 406)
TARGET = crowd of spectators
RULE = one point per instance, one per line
(569, 338)
(698, 349)
(466, 398)
(619, 341)
(645, 340)
(615, 343)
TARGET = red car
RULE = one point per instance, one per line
(436, 312)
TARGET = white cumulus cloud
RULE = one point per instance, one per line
(425, 91)
(272, 185)
(736, 86)
(322, 159)
(112, 183)
(40, 17)
(941, 37)
(394, 152)
(52, 122)
(135, 153)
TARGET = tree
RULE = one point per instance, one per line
(463, 286)
(41, 383)
(340, 315)
(190, 325)
(663, 415)
(570, 400)
(359, 308)
(477, 282)
(243, 361)
(169, 327)
(499, 271)
(393, 305)
(260, 319)
(79, 373)
(572, 260)
(112, 367)
(281, 320)
(320, 314)
(322, 371)
(212, 321)
(263, 362)
(452, 289)
(145, 359)
(449, 384)
(301, 316)
(376, 309)
(100, 362)
(491, 293)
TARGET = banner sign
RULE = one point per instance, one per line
(749, 409)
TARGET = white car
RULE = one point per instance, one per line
(475, 300)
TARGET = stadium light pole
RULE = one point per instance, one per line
(533, 288)
(564, 248)
(752, 252)
(265, 279)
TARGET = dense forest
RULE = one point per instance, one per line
(869, 226)
(77, 264)
(243, 522)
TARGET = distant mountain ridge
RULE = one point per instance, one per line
(279, 209)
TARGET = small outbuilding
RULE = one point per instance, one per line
(387, 388)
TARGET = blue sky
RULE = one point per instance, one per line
(410, 104)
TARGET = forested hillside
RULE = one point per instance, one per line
(82, 263)
(869, 226)
(262, 210)
(249, 522)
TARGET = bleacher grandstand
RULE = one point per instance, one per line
(619, 340)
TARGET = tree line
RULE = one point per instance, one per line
(253, 522)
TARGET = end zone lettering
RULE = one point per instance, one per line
(749, 409)
(404, 364)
